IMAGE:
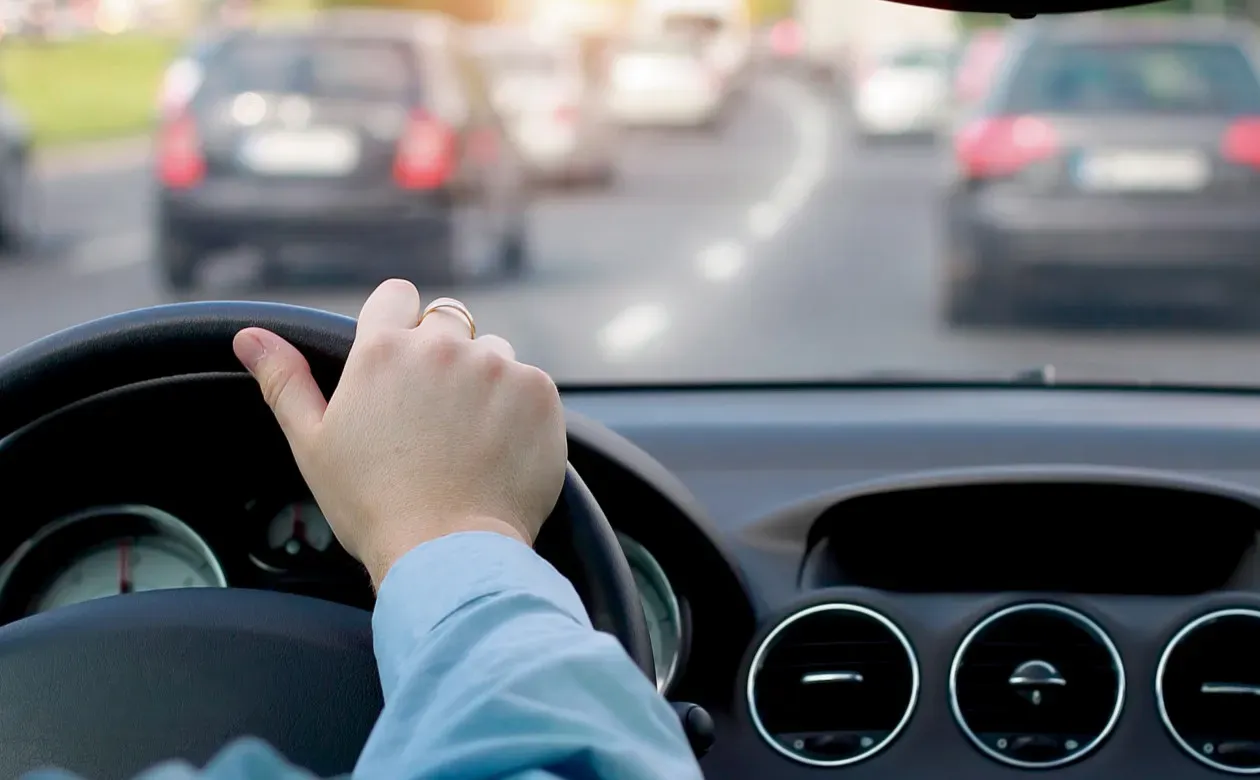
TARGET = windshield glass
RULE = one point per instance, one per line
(660, 191)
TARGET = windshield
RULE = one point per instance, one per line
(653, 192)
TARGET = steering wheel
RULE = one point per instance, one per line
(109, 687)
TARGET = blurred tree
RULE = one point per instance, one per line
(468, 10)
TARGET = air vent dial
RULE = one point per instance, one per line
(1037, 685)
(833, 685)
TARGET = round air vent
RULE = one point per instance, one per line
(1208, 690)
(833, 685)
(1037, 685)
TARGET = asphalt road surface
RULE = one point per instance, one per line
(778, 249)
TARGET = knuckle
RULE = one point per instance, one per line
(540, 387)
(379, 349)
(444, 349)
(492, 365)
(274, 386)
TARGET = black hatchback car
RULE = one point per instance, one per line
(362, 128)
(1114, 162)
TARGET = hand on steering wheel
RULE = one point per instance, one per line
(431, 431)
(294, 671)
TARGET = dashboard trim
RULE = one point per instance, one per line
(1164, 656)
(764, 646)
(1074, 614)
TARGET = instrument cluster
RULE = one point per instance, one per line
(118, 549)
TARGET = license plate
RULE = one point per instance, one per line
(309, 153)
(1174, 171)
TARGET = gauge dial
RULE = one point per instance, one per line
(299, 527)
(105, 551)
(660, 606)
(128, 565)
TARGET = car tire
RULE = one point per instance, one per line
(178, 260)
(514, 259)
(604, 176)
(16, 207)
(978, 303)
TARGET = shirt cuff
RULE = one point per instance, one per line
(439, 577)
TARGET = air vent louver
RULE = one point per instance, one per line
(1037, 685)
(833, 685)
(1208, 690)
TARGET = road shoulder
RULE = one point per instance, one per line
(97, 157)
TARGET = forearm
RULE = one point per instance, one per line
(509, 677)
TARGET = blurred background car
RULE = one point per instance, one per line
(366, 128)
(977, 65)
(721, 31)
(905, 93)
(550, 103)
(1113, 163)
(18, 210)
(183, 76)
(665, 81)
(781, 45)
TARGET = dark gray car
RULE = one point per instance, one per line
(1113, 162)
(368, 129)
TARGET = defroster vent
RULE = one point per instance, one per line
(833, 685)
(1037, 685)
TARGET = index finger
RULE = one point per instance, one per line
(394, 305)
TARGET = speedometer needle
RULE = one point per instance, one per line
(124, 567)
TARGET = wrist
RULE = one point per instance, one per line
(382, 557)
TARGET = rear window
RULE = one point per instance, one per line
(1136, 78)
(349, 69)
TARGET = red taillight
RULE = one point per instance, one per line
(785, 38)
(426, 154)
(180, 162)
(1004, 146)
(1241, 144)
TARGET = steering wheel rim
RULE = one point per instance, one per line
(55, 666)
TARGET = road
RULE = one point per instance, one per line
(778, 249)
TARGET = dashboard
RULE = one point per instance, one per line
(934, 582)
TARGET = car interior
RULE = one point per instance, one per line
(867, 580)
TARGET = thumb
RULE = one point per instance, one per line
(285, 379)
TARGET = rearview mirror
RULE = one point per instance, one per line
(1025, 9)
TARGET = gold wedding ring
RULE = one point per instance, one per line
(456, 306)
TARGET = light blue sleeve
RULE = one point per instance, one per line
(490, 669)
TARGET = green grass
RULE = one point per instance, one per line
(86, 90)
